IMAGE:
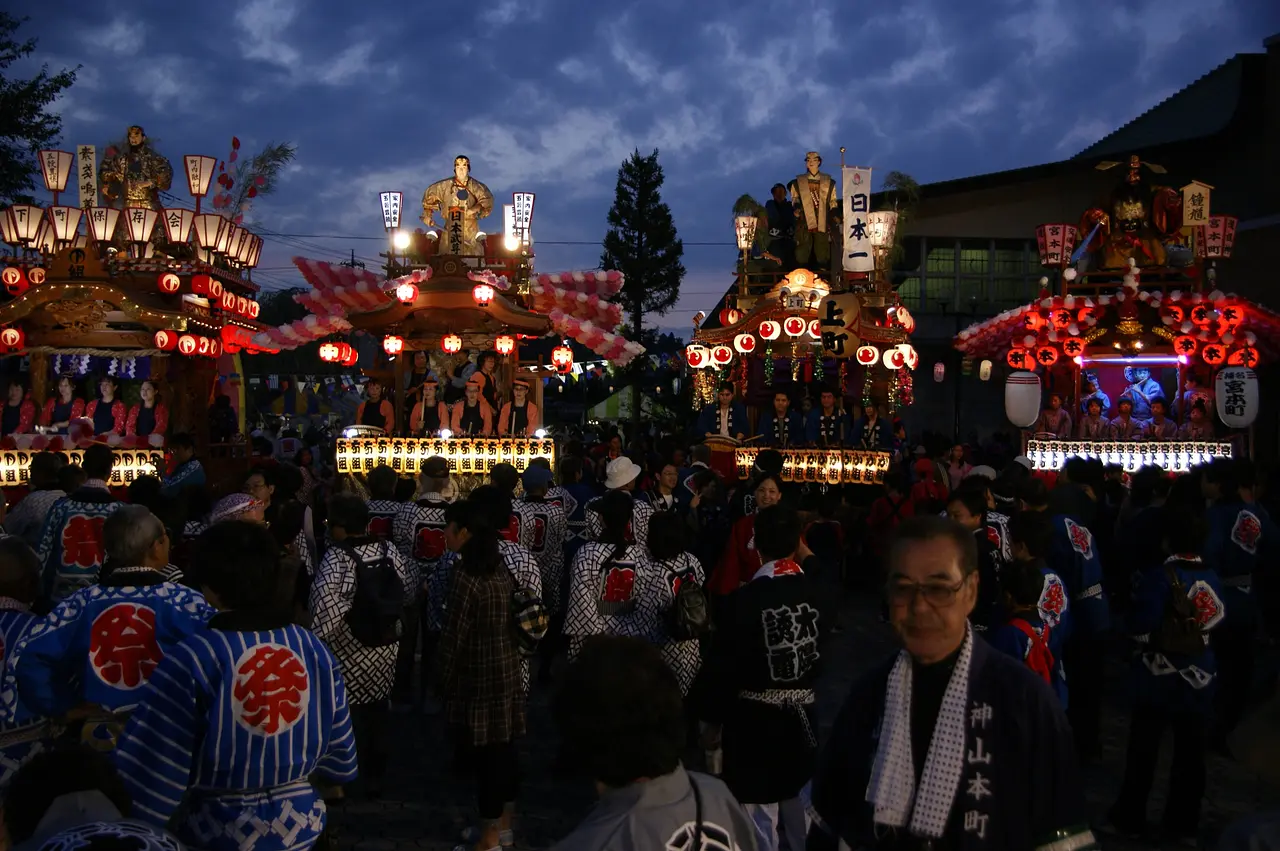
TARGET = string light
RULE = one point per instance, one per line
(768, 365)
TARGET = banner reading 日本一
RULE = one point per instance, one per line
(857, 203)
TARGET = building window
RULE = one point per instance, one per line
(1009, 292)
(908, 291)
(941, 259)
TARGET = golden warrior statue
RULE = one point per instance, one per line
(462, 202)
(817, 206)
(137, 175)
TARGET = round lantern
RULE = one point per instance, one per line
(1185, 345)
(1246, 356)
(1019, 358)
(939, 371)
(1232, 315)
(36, 276)
(1060, 318)
(202, 346)
(451, 344)
(392, 345)
(722, 355)
(242, 305)
(504, 344)
(794, 326)
(562, 359)
(744, 343)
(1202, 314)
(15, 280)
(730, 316)
(1073, 347)
(168, 283)
(770, 330)
(1022, 398)
(904, 318)
(1047, 356)
(909, 357)
(867, 355)
(215, 348)
(815, 329)
(697, 356)
(254, 309)
(187, 344)
(12, 339)
(894, 358)
(1032, 320)
(329, 353)
(483, 294)
(1235, 392)
(407, 293)
(350, 356)
(1214, 354)
(228, 301)
(166, 341)
(984, 371)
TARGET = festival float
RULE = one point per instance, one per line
(841, 326)
(1136, 317)
(452, 290)
(134, 291)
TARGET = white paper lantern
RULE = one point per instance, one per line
(894, 358)
(744, 343)
(697, 356)
(1236, 394)
(910, 358)
(939, 371)
(1022, 398)
(984, 371)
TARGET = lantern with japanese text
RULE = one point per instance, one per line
(1073, 347)
(1047, 356)
(12, 339)
(1203, 314)
(168, 283)
(770, 330)
(166, 341)
(504, 344)
(1185, 345)
(744, 343)
(984, 371)
(1216, 238)
(15, 280)
(187, 345)
(1061, 318)
(483, 294)
(867, 355)
(1231, 315)
(794, 326)
(451, 344)
(1019, 358)
(562, 359)
(228, 301)
(407, 293)
(1054, 243)
(697, 356)
(1243, 356)
(730, 316)
(1022, 398)
(329, 352)
(1214, 354)
(1236, 395)
(722, 355)
(392, 345)
(1033, 321)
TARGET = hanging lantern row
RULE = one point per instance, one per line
(335, 352)
(191, 345)
(17, 281)
(12, 340)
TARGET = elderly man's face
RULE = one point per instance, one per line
(930, 598)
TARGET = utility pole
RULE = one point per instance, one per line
(353, 263)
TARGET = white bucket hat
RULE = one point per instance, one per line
(620, 471)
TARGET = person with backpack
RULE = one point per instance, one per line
(1176, 607)
(1024, 635)
(679, 577)
(357, 604)
(480, 668)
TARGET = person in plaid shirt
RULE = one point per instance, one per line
(481, 672)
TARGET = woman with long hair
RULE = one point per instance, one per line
(608, 591)
(741, 561)
(149, 416)
(62, 408)
(480, 672)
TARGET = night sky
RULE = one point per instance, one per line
(549, 96)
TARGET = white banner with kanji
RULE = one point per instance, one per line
(858, 256)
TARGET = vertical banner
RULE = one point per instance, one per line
(87, 175)
(524, 214)
(857, 203)
(391, 204)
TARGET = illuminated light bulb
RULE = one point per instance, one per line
(400, 240)
(445, 433)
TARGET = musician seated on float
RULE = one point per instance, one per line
(724, 417)
(429, 415)
(872, 432)
(828, 425)
(1124, 426)
(473, 416)
(519, 417)
(1199, 426)
(781, 427)
(374, 410)
(1160, 427)
(1093, 426)
(1054, 419)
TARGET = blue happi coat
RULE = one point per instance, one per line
(71, 551)
(189, 474)
(709, 420)
(1009, 639)
(1238, 534)
(1073, 555)
(1175, 682)
(101, 644)
(236, 720)
(27, 733)
(790, 433)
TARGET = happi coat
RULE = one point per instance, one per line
(683, 657)
(832, 429)
(1002, 773)
(235, 721)
(27, 733)
(1073, 556)
(382, 517)
(740, 560)
(640, 514)
(781, 432)
(1239, 535)
(368, 672)
(101, 644)
(573, 499)
(758, 684)
(543, 528)
(418, 533)
(729, 422)
(71, 549)
(610, 596)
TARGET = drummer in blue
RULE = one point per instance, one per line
(781, 427)
(724, 417)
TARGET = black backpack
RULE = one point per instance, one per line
(689, 617)
(376, 611)
(1179, 630)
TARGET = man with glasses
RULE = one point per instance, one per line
(951, 744)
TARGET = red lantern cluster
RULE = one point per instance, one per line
(191, 345)
(207, 286)
(239, 305)
(562, 359)
(332, 351)
(168, 283)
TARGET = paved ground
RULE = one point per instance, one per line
(422, 806)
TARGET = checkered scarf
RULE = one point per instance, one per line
(892, 788)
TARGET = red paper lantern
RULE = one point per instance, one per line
(1060, 317)
(202, 346)
(730, 316)
(1018, 358)
(187, 344)
(227, 301)
(1246, 356)
(1073, 346)
(12, 339)
(1032, 320)
(1055, 243)
(329, 352)
(483, 294)
(166, 341)
(350, 355)
(254, 309)
(1185, 345)
(1202, 314)
(15, 280)
(562, 359)
(504, 344)
(168, 283)
(202, 285)
(867, 355)
(407, 293)
(1214, 354)
(215, 348)
(242, 305)
(451, 343)
(1231, 316)
(36, 276)
(392, 345)
(696, 355)
(1173, 312)
(1047, 356)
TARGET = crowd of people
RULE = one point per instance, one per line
(220, 672)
